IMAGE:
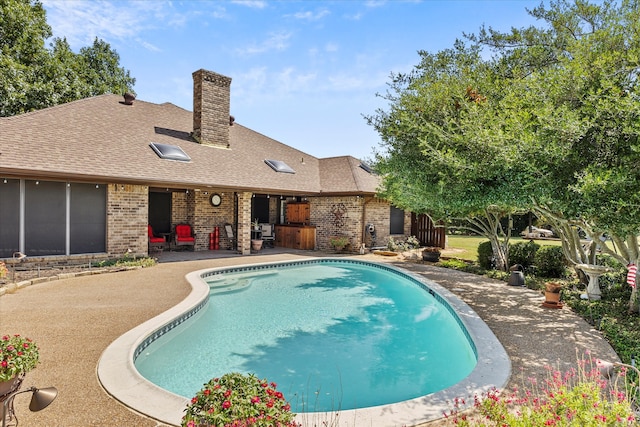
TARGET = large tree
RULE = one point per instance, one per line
(34, 77)
(441, 155)
(558, 118)
(579, 80)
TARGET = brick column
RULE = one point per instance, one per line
(244, 223)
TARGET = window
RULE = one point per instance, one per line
(10, 214)
(87, 218)
(56, 218)
(279, 166)
(45, 209)
(169, 152)
(396, 225)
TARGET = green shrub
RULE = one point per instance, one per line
(523, 253)
(485, 255)
(237, 399)
(550, 262)
(127, 261)
(461, 265)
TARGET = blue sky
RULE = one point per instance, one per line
(303, 72)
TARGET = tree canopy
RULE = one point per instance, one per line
(34, 77)
(540, 116)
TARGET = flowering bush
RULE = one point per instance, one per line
(3, 270)
(238, 400)
(581, 397)
(18, 355)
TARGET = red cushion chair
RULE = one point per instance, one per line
(155, 243)
(185, 236)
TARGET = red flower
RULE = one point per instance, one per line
(270, 403)
(207, 392)
(226, 404)
(194, 400)
(279, 395)
(255, 399)
(227, 393)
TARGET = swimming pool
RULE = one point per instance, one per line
(121, 379)
(333, 334)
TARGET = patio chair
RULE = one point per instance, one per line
(156, 243)
(230, 236)
(268, 236)
(185, 236)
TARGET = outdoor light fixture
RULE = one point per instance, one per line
(40, 399)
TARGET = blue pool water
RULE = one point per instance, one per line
(332, 335)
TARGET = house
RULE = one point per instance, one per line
(85, 179)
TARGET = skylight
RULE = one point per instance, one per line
(366, 167)
(279, 166)
(169, 152)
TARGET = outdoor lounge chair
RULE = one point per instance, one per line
(268, 236)
(185, 236)
(155, 243)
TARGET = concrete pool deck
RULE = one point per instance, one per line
(74, 320)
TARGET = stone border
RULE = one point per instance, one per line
(11, 287)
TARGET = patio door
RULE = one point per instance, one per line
(160, 211)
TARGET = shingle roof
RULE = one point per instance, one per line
(101, 139)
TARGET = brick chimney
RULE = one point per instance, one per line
(211, 107)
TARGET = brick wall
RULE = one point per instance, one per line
(211, 107)
(349, 216)
(127, 214)
(337, 216)
(207, 217)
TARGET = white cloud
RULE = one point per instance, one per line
(275, 42)
(254, 4)
(81, 21)
(289, 80)
(311, 16)
(331, 47)
(149, 46)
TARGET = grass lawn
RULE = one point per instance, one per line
(466, 247)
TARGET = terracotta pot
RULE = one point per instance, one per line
(9, 386)
(552, 297)
(256, 244)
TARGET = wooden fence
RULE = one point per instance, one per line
(427, 232)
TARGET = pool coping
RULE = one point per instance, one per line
(119, 377)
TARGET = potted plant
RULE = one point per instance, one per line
(256, 240)
(431, 254)
(239, 399)
(338, 242)
(18, 355)
(552, 294)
